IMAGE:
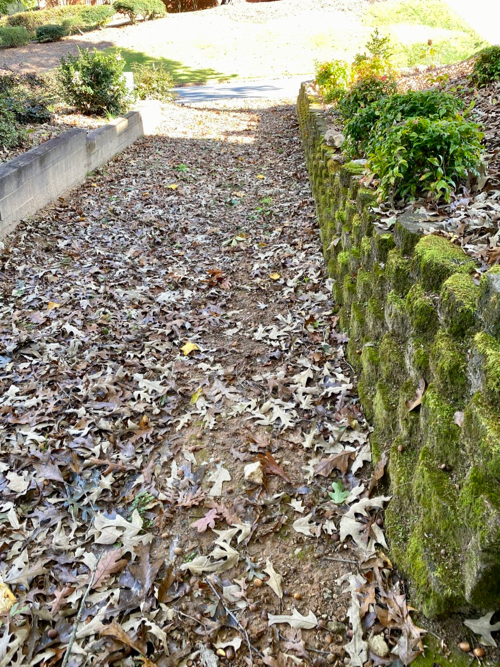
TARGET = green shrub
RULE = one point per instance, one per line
(96, 16)
(487, 66)
(333, 79)
(369, 126)
(152, 82)
(14, 36)
(93, 82)
(28, 96)
(10, 134)
(29, 20)
(364, 92)
(52, 32)
(148, 9)
(426, 156)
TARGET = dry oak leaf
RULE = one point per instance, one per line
(207, 521)
(296, 620)
(275, 579)
(482, 627)
(218, 478)
(338, 461)
(116, 631)
(109, 563)
(305, 526)
(417, 399)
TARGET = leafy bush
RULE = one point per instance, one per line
(10, 134)
(426, 156)
(333, 79)
(96, 16)
(29, 96)
(487, 66)
(93, 82)
(153, 82)
(365, 128)
(148, 9)
(81, 17)
(52, 32)
(364, 92)
(14, 36)
(176, 6)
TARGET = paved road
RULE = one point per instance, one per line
(258, 89)
(482, 15)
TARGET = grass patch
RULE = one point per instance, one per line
(412, 24)
(181, 74)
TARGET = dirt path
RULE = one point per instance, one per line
(162, 327)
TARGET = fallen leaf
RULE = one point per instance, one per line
(357, 647)
(305, 526)
(116, 631)
(483, 627)
(274, 580)
(218, 478)
(52, 304)
(417, 400)
(208, 521)
(274, 276)
(296, 620)
(189, 347)
(458, 418)
(337, 461)
(109, 563)
(7, 598)
(339, 494)
(271, 466)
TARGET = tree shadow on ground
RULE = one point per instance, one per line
(181, 74)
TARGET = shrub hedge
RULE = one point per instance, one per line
(14, 36)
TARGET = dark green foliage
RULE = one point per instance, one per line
(77, 17)
(93, 82)
(51, 32)
(364, 92)
(370, 125)
(426, 156)
(14, 36)
(28, 96)
(148, 9)
(153, 82)
(10, 134)
(487, 66)
(333, 79)
(96, 16)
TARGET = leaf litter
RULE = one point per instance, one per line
(155, 341)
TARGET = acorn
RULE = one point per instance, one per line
(479, 652)
(258, 582)
(465, 647)
(297, 596)
(53, 633)
(230, 653)
(401, 448)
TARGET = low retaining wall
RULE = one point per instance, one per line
(42, 174)
(415, 313)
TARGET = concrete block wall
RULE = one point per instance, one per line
(42, 174)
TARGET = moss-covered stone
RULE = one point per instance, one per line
(436, 259)
(422, 310)
(448, 362)
(484, 366)
(412, 311)
(398, 272)
(458, 307)
(489, 302)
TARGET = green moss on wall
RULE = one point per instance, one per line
(436, 259)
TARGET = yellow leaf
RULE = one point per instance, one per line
(260, 175)
(7, 598)
(173, 186)
(52, 304)
(196, 395)
(189, 347)
(274, 276)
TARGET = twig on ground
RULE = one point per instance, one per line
(238, 624)
(341, 560)
(79, 615)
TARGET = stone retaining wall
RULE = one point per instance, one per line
(42, 174)
(416, 313)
